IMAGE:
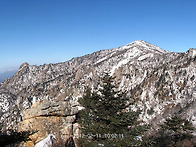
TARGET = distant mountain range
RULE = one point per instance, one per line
(6, 75)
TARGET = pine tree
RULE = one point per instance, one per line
(104, 119)
(174, 131)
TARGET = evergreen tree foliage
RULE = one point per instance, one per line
(172, 132)
(13, 138)
(104, 119)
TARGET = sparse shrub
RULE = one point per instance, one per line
(150, 111)
(173, 133)
(13, 138)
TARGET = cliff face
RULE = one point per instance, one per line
(163, 82)
(47, 116)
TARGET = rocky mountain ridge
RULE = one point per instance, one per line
(163, 82)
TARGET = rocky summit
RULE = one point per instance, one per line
(44, 98)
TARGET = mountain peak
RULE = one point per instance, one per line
(23, 66)
(141, 41)
(138, 42)
(145, 46)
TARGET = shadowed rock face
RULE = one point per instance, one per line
(45, 97)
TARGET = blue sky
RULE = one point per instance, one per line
(50, 31)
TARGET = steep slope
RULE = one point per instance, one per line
(162, 82)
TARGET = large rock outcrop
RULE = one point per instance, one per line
(46, 117)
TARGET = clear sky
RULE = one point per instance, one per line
(50, 31)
